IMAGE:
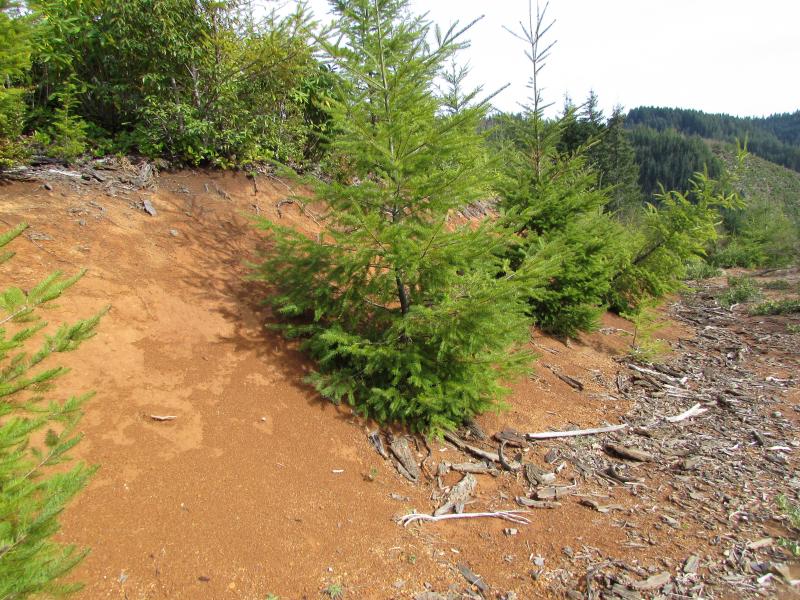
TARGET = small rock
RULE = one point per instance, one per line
(510, 531)
(48, 187)
(568, 552)
(173, 232)
(538, 561)
(399, 584)
(123, 577)
(149, 208)
(82, 222)
(204, 578)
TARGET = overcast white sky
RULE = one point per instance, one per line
(734, 56)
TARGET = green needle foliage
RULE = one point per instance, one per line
(557, 208)
(671, 235)
(36, 433)
(551, 196)
(14, 61)
(404, 309)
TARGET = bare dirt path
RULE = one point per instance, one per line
(258, 487)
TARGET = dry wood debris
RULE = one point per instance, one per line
(703, 451)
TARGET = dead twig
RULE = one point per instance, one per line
(697, 409)
(546, 435)
(163, 417)
(515, 516)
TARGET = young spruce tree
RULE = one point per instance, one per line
(551, 195)
(406, 311)
(35, 435)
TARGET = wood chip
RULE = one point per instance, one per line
(695, 410)
(459, 495)
(552, 492)
(691, 564)
(536, 503)
(472, 578)
(570, 381)
(402, 451)
(601, 508)
(628, 452)
(163, 417)
(655, 582)
(462, 445)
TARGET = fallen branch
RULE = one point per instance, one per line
(462, 445)
(546, 435)
(697, 409)
(570, 381)
(515, 466)
(536, 503)
(515, 516)
(163, 417)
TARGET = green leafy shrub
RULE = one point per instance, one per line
(777, 307)
(198, 82)
(36, 433)
(792, 512)
(777, 284)
(760, 234)
(14, 61)
(700, 269)
(672, 234)
(408, 314)
(740, 290)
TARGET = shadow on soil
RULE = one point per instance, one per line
(222, 245)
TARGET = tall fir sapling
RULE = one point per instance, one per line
(551, 197)
(408, 312)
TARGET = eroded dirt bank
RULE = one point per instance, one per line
(258, 487)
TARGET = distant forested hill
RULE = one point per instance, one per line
(775, 138)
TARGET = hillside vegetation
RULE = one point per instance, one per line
(775, 138)
(408, 314)
(760, 178)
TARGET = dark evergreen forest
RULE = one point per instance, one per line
(775, 138)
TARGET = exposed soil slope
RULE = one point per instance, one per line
(258, 486)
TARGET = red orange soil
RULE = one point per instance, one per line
(258, 486)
